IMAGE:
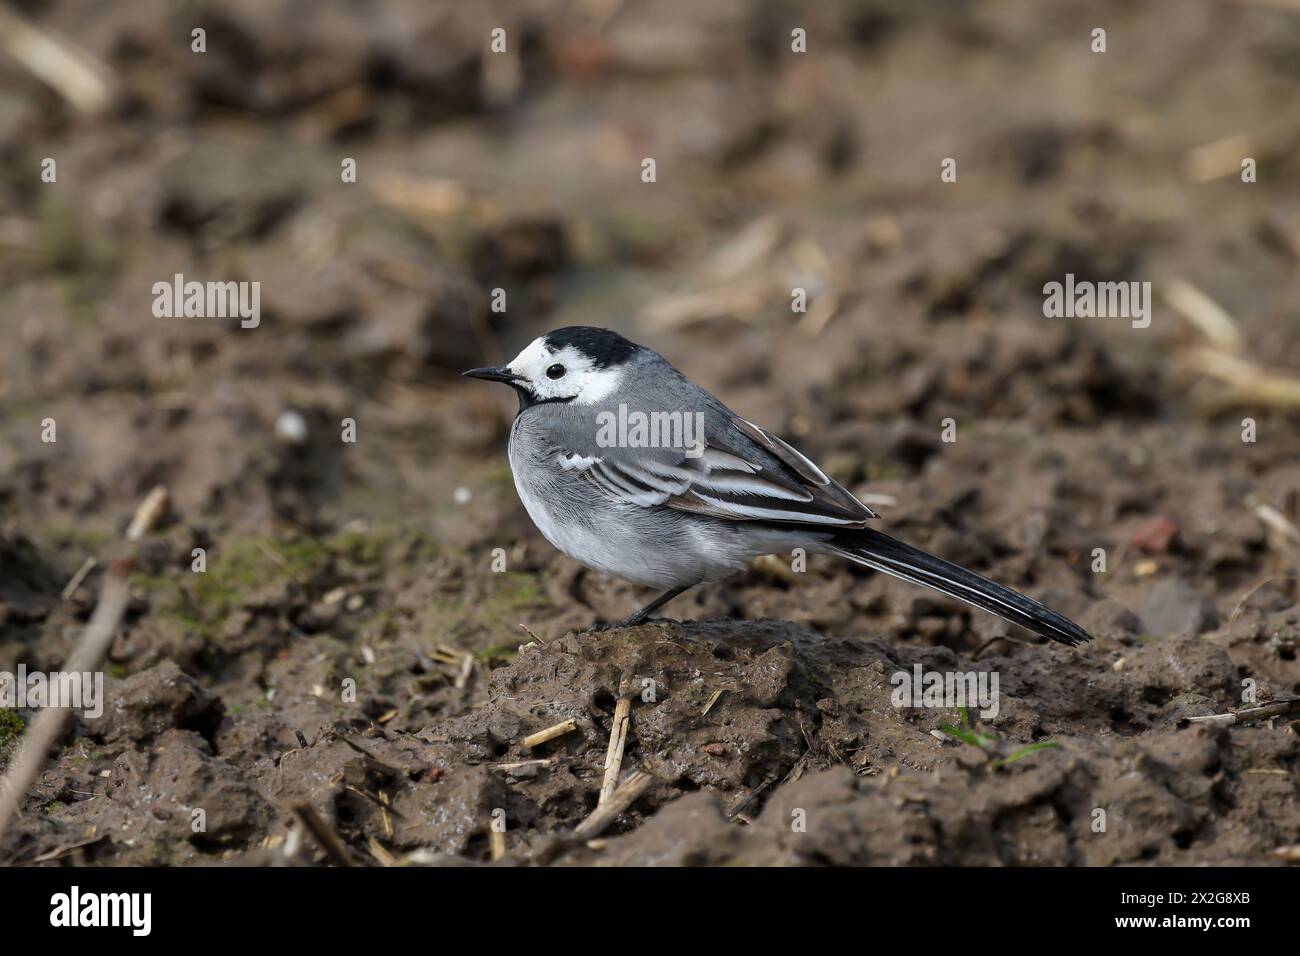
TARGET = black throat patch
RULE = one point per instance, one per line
(527, 399)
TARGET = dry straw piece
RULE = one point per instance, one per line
(617, 742)
(550, 733)
(83, 80)
(637, 782)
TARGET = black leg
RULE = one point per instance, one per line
(640, 616)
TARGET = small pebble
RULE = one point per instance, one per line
(462, 495)
(1156, 536)
(291, 427)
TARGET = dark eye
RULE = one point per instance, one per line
(555, 371)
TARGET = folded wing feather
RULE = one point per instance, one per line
(744, 473)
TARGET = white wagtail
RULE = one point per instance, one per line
(612, 473)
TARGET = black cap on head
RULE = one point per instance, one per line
(603, 347)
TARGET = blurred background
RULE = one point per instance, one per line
(522, 171)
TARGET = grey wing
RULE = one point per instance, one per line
(742, 473)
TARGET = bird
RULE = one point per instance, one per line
(633, 470)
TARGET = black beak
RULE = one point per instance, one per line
(493, 374)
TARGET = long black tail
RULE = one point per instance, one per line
(880, 551)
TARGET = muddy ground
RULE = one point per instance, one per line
(765, 718)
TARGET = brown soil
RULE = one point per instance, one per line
(331, 563)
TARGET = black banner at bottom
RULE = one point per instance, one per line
(303, 906)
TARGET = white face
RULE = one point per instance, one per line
(581, 381)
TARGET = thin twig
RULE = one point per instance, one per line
(278, 559)
(1275, 709)
(380, 800)
(466, 668)
(148, 514)
(637, 782)
(1250, 593)
(713, 699)
(543, 764)
(49, 723)
(83, 80)
(797, 770)
(617, 742)
(550, 733)
(1249, 381)
(86, 567)
(533, 634)
(1278, 522)
(60, 852)
(380, 853)
(1210, 319)
(1220, 158)
(312, 822)
(373, 761)
(748, 798)
(86, 657)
